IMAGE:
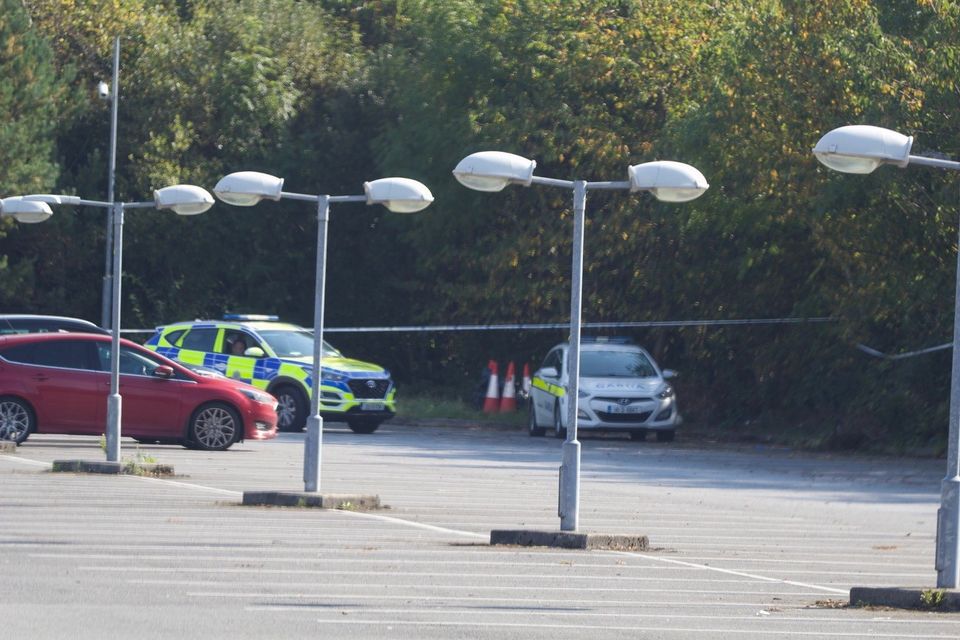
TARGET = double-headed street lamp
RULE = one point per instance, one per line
(861, 149)
(184, 200)
(247, 188)
(667, 181)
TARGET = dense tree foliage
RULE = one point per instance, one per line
(331, 93)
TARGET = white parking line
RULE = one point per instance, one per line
(513, 600)
(742, 574)
(661, 630)
(478, 536)
(16, 458)
(475, 588)
(431, 574)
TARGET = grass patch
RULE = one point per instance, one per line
(424, 407)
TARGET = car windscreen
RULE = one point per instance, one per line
(295, 344)
(615, 364)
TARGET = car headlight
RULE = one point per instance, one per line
(333, 376)
(258, 396)
(666, 392)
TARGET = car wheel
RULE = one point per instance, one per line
(363, 426)
(16, 419)
(638, 436)
(292, 408)
(558, 430)
(665, 435)
(533, 428)
(214, 427)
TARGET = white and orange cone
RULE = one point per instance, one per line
(509, 401)
(491, 403)
(526, 385)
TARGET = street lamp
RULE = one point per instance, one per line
(247, 188)
(667, 181)
(861, 149)
(110, 92)
(184, 200)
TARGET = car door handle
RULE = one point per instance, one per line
(41, 377)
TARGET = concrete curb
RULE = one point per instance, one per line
(931, 599)
(115, 468)
(566, 540)
(347, 502)
(86, 466)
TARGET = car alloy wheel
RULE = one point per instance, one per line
(291, 409)
(214, 427)
(16, 420)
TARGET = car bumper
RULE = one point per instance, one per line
(337, 404)
(358, 414)
(260, 423)
(655, 416)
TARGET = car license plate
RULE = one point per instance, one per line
(370, 406)
(630, 408)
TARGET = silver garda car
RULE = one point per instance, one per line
(621, 390)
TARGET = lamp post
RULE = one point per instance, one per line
(184, 200)
(247, 188)
(861, 149)
(110, 92)
(667, 181)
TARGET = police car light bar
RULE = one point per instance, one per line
(250, 317)
(608, 339)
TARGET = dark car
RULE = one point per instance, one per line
(23, 323)
(59, 382)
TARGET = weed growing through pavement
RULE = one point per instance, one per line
(136, 466)
(932, 598)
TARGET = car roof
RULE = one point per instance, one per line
(38, 316)
(62, 323)
(20, 338)
(256, 325)
(604, 346)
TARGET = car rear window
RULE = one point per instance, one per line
(199, 340)
(67, 354)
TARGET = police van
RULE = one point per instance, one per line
(278, 358)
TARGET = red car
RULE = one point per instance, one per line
(59, 382)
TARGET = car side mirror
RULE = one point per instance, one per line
(549, 372)
(669, 374)
(163, 371)
(254, 352)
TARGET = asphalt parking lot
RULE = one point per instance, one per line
(746, 542)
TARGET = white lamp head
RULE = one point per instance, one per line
(862, 148)
(668, 181)
(247, 188)
(23, 210)
(400, 195)
(494, 170)
(183, 199)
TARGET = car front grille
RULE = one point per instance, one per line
(624, 417)
(369, 389)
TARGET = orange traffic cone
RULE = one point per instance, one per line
(509, 401)
(491, 403)
(526, 385)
